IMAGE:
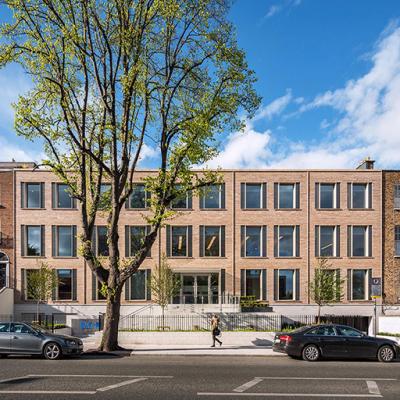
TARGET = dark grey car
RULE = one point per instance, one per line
(22, 338)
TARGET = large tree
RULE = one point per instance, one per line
(111, 77)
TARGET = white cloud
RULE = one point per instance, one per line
(277, 8)
(274, 9)
(10, 151)
(275, 107)
(247, 149)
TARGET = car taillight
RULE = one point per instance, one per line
(285, 338)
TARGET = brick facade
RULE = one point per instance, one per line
(232, 216)
(391, 219)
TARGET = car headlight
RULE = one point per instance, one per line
(70, 342)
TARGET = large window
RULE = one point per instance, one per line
(253, 241)
(360, 241)
(32, 195)
(253, 195)
(396, 191)
(360, 195)
(213, 197)
(287, 241)
(64, 241)
(135, 239)
(327, 195)
(62, 197)
(105, 196)
(64, 284)
(327, 241)
(183, 200)
(287, 196)
(138, 287)
(253, 283)
(101, 243)
(179, 241)
(286, 284)
(32, 240)
(140, 197)
(212, 240)
(397, 241)
(359, 284)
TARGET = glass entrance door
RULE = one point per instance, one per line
(188, 289)
(203, 289)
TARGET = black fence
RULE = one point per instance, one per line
(235, 322)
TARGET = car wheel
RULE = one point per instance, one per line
(52, 351)
(386, 354)
(311, 353)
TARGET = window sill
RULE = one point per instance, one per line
(64, 209)
(65, 257)
(180, 257)
(287, 301)
(254, 209)
(181, 209)
(361, 209)
(360, 301)
(255, 257)
(33, 208)
(288, 209)
(329, 257)
(137, 300)
(329, 209)
(361, 258)
(213, 257)
(289, 258)
(64, 301)
(33, 257)
(213, 209)
(137, 209)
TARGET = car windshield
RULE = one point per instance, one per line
(39, 329)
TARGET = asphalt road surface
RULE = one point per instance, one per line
(174, 377)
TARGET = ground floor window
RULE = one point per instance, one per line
(139, 287)
(252, 283)
(64, 284)
(287, 284)
(359, 284)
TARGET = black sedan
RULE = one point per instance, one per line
(21, 338)
(314, 342)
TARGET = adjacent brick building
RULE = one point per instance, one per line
(391, 236)
(261, 233)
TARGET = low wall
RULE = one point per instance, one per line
(6, 301)
(192, 338)
(389, 324)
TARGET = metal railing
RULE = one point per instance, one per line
(234, 322)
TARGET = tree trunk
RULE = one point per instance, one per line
(37, 312)
(319, 314)
(163, 318)
(109, 341)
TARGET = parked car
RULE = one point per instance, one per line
(330, 340)
(22, 338)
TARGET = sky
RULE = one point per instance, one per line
(329, 77)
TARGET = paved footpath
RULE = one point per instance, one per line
(190, 378)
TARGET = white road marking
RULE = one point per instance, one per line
(43, 392)
(248, 385)
(289, 395)
(325, 379)
(98, 376)
(124, 383)
(373, 387)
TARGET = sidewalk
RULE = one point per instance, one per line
(202, 350)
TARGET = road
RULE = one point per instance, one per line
(174, 377)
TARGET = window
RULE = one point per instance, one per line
(105, 196)
(213, 197)
(397, 240)
(287, 241)
(253, 283)
(138, 287)
(135, 239)
(327, 241)
(253, 241)
(287, 195)
(360, 195)
(97, 293)
(327, 195)
(64, 241)
(100, 241)
(253, 195)
(183, 200)
(61, 196)
(20, 328)
(286, 278)
(32, 240)
(32, 195)
(360, 241)
(322, 331)
(179, 241)
(4, 327)
(359, 284)
(396, 196)
(212, 240)
(140, 197)
(64, 284)
(346, 331)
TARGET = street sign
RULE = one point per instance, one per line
(376, 288)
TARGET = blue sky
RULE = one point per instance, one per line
(329, 76)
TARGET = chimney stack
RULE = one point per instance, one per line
(367, 163)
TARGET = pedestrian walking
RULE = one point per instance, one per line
(215, 330)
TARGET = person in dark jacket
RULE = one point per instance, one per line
(215, 330)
